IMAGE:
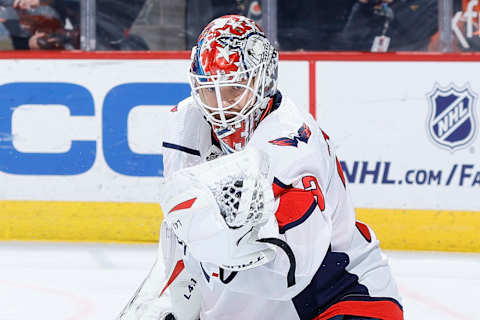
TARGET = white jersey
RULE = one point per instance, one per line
(328, 264)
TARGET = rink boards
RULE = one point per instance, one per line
(81, 134)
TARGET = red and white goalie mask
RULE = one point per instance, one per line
(233, 77)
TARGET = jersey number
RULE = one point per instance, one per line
(310, 183)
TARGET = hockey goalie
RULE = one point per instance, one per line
(258, 220)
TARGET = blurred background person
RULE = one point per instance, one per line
(34, 24)
(389, 25)
(331, 25)
(311, 25)
(114, 25)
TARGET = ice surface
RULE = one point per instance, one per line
(71, 281)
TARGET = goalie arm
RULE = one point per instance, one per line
(225, 213)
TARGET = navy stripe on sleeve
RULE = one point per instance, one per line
(281, 184)
(181, 148)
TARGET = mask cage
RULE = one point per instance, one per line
(228, 115)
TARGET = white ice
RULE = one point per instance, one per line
(71, 281)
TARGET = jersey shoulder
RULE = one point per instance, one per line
(294, 142)
(185, 108)
(186, 138)
(185, 124)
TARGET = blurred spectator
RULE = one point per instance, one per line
(44, 24)
(401, 25)
(162, 24)
(114, 21)
(311, 24)
(20, 4)
(301, 25)
(55, 24)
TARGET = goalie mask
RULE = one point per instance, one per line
(233, 76)
(220, 208)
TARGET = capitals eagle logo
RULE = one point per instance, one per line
(303, 134)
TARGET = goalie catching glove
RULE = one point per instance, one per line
(220, 209)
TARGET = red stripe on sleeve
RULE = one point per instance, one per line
(176, 271)
(325, 136)
(183, 205)
(340, 172)
(373, 309)
(364, 230)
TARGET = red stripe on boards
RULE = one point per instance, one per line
(284, 55)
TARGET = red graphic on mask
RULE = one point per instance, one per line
(237, 138)
(219, 60)
(232, 26)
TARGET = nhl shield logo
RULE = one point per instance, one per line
(451, 123)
